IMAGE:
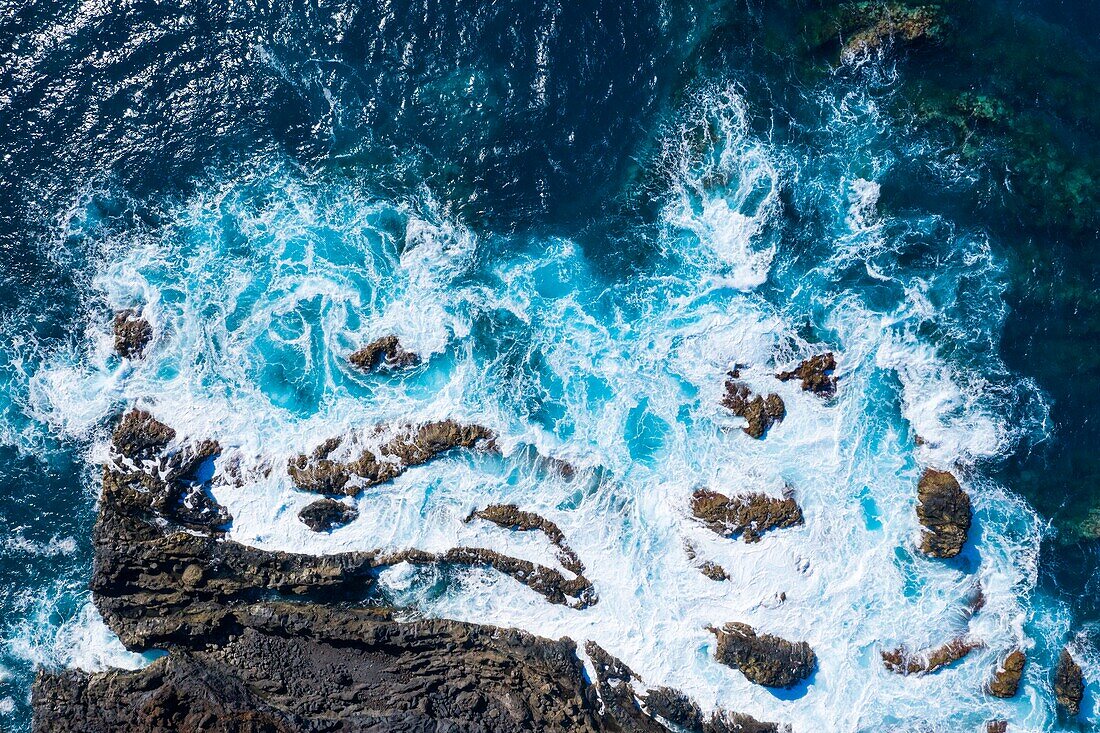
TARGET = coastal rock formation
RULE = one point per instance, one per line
(759, 412)
(943, 508)
(874, 25)
(764, 659)
(711, 569)
(903, 661)
(1069, 683)
(748, 516)
(325, 514)
(139, 436)
(512, 517)
(1006, 678)
(411, 446)
(132, 334)
(383, 353)
(996, 726)
(815, 373)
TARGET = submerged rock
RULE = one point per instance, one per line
(748, 516)
(903, 661)
(1006, 678)
(815, 374)
(325, 514)
(759, 412)
(943, 508)
(383, 353)
(874, 25)
(132, 334)
(1069, 683)
(764, 659)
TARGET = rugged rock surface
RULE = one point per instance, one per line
(1069, 683)
(325, 514)
(996, 726)
(903, 661)
(759, 412)
(410, 446)
(943, 508)
(815, 374)
(872, 26)
(512, 517)
(132, 334)
(764, 659)
(383, 353)
(1006, 678)
(709, 568)
(140, 436)
(747, 516)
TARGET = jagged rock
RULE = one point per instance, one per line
(759, 412)
(1069, 683)
(412, 446)
(1006, 678)
(764, 659)
(512, 517)
(714, 571)
(876, 24)
(325, 514)
(996, 726)
(903, 661)
(132, 334)
(140, 436)
(943, 508)
(748, 516)
(383, 353)
(815, 373)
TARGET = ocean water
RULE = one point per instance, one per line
(581, 216)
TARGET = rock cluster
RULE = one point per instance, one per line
(943, 508)
(383, 353)
(876, 24)
(903, 661)
(747, 516)
(764, 659)
(1006, 678)
(815, 373)
(132, 334)
(709, 568)
(411, 446)
(759, 412)
(325, 514)
(1069, 683)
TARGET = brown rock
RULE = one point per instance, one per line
(1006, 678)
(815, 373)
(132, 334)
(140, 436)
(880, 24)
(943, 508)
(759, 412)
(383, 353)
(764, 659)
(512, 517)
(748, 516)
(325, 514)
(1069, 683)
(903, 661)
(714, 571)
(996, 726)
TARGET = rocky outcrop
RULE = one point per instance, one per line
(759, 412)
(1006, 678)
(903, 661)
(943, 509)
(747, 516)
(410, 446)
(325, 514)
(132, 334)
(383, 353)
(764, 659)
(711, 569)
(512, 517)
(875, 25)
(1069, 683)
(815, 374)
(139, 436)
(996, 726)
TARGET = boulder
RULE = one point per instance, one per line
(140, 436)
(383, 353)
(903, 661)
(747, 516)
(996, 726)
(764, 659)
(815, 374)
(943, 509)
(759, 412)
(1069, 683)
(132, 334)
(325, 514)
(1006, 678)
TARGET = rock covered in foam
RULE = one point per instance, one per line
(1069, 683)
(325, 514)
(747, 516)
(759, 412)
(383, 353)
(815, 374)
(943, 508)
(132, 334)
(904, 661)
(996, 726)
(764, 659)
(1006, 678)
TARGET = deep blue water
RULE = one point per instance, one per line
(556, 195)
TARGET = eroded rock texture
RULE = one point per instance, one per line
(943, 509)
(132, 334)
(764, 659)
(1069, 683)
(748, 516)
(815, 374)
(759, 412)
(383, 353)
(1006, 678)
(904, 661)
(325, 514)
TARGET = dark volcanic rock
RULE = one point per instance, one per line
(1069, 683)
(324, 514)
(512, 517)
(132, 334)
(140, 436)
(412, 446)
(943, 508)
(996, 726)
(815, 373)
(748, 516)
(759, 412)
(1006, 678)
(764, 659)
(383, 353)
(875, 25)
(903, 661)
